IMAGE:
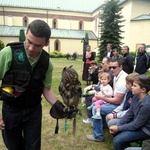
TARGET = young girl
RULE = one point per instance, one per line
(105, 91)
(135, 124)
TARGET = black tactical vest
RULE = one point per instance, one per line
(27, 82)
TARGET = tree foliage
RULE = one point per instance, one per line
(110, 26)
(21, 35)
(85, 42)
(1, 45)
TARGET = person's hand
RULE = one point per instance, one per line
(110, 116)
(98, 96)
(58, 111)
(2, 125)
(113, 129)
(70, 112)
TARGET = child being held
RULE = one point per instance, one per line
(105, 91)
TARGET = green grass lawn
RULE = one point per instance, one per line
(65, 140)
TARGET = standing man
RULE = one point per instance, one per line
(127, 60)
(119, 92)
(108, 52)
(142, 60)
(26, 74)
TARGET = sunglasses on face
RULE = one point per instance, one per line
(113, 67)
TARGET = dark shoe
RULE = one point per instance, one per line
(92, 138)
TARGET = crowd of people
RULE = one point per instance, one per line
(125, 112)
(118, 92)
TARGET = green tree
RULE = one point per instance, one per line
(21, 35)
(1, 45)
(85, 42)
(110, 26)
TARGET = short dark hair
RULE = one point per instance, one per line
(115, 49)
(108, 59)
(143, 81)
(109, 44)
(125, 46)
(119, 61)
(130, 77)
(40, 28)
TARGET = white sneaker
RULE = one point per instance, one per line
(88, 120)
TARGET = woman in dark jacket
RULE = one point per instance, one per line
(87, 58)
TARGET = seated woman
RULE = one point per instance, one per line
(93, 72)
(135, 124)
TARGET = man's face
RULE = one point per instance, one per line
(115, 53)
(105, 65)
(108, 47)
(115, 68)
(34, 44)
(124, 50)
(142, 48)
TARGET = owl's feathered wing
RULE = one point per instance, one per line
(70, 87)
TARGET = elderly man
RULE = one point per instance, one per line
(119, 87)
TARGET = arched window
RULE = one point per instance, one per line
(57, 45)
(25, 21)
(54, 25)
(80, 25)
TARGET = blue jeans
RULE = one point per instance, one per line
(98, 123)
(123, 139)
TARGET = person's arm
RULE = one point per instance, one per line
(84, 58)
(49, 95)
(130, 62)
(117, 99)
(120, 114)
(92, 56)
(2, 124)
(5, 60)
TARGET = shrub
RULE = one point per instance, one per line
(133, 54)
(56, 54)
(1, 45)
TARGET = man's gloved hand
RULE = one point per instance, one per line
(58, 111)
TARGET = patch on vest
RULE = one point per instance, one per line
(19, 56)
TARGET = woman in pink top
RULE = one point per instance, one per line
(87, 58)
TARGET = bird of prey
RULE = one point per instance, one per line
(70, 87)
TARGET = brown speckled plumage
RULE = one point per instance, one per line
(70, 87)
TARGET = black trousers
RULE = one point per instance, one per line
(88, 102)
(22, 127)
